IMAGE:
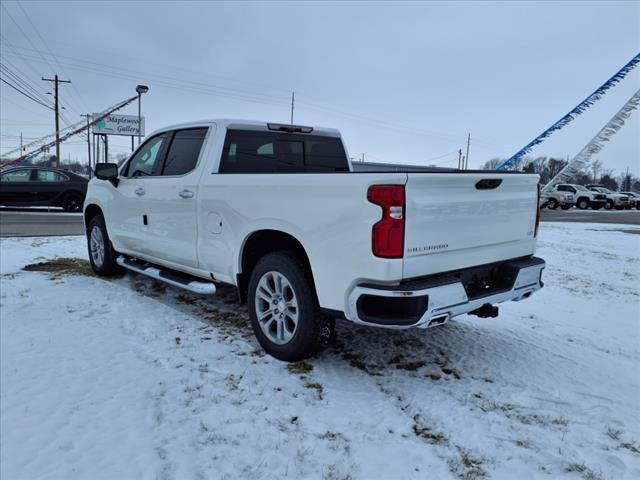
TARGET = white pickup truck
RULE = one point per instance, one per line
(277, 211)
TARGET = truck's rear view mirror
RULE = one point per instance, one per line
(106, 171)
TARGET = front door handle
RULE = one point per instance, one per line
(139, 191)
(186, 194)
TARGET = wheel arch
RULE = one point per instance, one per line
(90, 211)
(259, 243)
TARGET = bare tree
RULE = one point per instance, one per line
(491, 164)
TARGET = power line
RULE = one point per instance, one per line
(25, 94)
(23, 83)
(24, 12)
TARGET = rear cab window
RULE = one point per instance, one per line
(249, 151)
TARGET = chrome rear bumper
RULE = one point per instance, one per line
(435, 300)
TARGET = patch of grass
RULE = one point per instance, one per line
(467, 467)
(317, 387)
(450, 371)
(62, 267)
(631, 447)
(614, 434)
(410, 366)
(356, 362)
(433, 376)
(584, 471)
(423, 431)
(542, 420)
(300, 368)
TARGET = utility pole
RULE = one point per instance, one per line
(293, 101)
(466, 161)
(21, 144)
(362, 157)
(459, 159)
(56, 81)
(89, 144)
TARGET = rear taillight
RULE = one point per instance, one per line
(387, 236)
(535, 230)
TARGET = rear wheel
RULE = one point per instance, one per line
(284, 311)
(72, 202)
(552, 204)
(102, 256)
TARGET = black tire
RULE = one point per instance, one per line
(108, 266)
(566, 207)
(608, 205)
(72, 202)
(552, 204)
(582, 203)
(313, 331)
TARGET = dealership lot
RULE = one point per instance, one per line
(130, 378)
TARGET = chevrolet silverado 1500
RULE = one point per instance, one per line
(277, 211)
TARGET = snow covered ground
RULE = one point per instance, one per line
(130, 379)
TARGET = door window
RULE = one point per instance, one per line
(17, 176)
(148, 159)
(184, 151)
(50, 176)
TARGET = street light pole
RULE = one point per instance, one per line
(140, 89)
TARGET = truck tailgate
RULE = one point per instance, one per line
(451, 222)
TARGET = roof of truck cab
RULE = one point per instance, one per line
(238, 124)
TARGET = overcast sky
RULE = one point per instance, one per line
(404, 82)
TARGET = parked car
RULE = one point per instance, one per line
(552, 198)
(42, 187)
(614, 200)
(583, 197)
(634, 199)
(278, 212)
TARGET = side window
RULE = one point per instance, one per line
(563, 188)
(248, 152)
(50, 176)
(147, 160)
(184, 150)
(17, 176)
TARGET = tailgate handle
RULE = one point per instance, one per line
(488, 183)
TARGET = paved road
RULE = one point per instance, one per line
(36, 222)
(39, 223)
(624, 217)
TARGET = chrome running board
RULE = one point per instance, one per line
(167, 276)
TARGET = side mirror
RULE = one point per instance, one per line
(107, 171)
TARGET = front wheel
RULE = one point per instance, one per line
(583, 204)
(102, 256)
(284, 310)
(553, 204)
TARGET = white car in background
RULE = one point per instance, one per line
(583, 197)
(615, 200)
(634, 200)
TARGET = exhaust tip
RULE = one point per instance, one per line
(438, 320)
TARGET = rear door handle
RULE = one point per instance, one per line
(186, 194)
(139, 191)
